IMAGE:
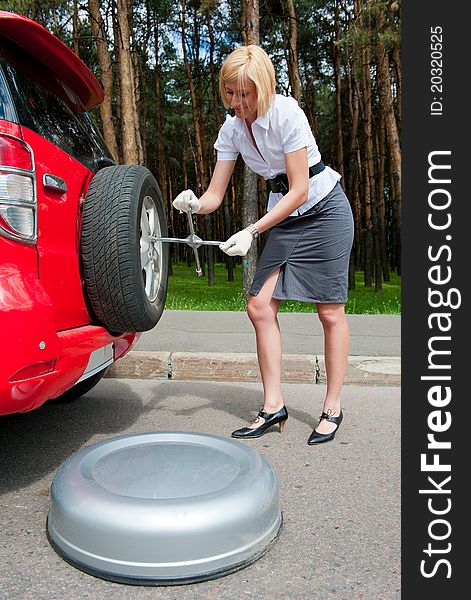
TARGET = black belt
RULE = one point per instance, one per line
(279, 184)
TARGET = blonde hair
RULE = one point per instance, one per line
(253, 63)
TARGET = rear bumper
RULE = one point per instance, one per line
(71, 362)
(38, 363)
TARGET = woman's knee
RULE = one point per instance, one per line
(258, 310)
(331, 315)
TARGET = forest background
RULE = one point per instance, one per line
(158, 62)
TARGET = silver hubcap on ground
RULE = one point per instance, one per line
(151, 252)
(164, 507)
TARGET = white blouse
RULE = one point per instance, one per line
(283, 128)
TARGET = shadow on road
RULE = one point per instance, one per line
(37, 442)
(239, 404)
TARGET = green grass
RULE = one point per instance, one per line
(186, 291)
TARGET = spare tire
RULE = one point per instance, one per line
(125, 271)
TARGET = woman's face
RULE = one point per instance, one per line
(242, 98)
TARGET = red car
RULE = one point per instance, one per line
(80, 271)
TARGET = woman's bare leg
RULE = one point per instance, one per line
(263, 313)
(336, 343)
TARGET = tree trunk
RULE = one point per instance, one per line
(198, 125)
(208, 219)
(397, 64)
(310, 104)
(200, 171)
(380, 179)
(138, 100)
(141, 82)
(372, 239)
(293, 68)
(128, 129)
(353, 176)
(217, 118)
(104, 62)
(250, 22)
(162, 165)
(250, 35)
(338, 95)
(388, 114)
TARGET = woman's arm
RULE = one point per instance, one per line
(298, 176)
(213, 196)
(297, 171)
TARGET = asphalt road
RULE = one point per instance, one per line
(341, 501)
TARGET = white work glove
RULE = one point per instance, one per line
(238, 244)
(187, 202)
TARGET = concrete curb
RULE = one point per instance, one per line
(208, 366)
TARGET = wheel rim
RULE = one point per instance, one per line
(151, 252)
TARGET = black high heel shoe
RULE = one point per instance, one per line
(270, 419)
(318, 438)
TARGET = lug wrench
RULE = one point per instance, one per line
(192, 240)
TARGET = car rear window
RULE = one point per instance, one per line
(48, 107)
(7, 110)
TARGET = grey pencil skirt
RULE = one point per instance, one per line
(312, 252)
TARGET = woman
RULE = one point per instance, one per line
(307, 252)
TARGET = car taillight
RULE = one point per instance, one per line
(18, 203)
(35, 370)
